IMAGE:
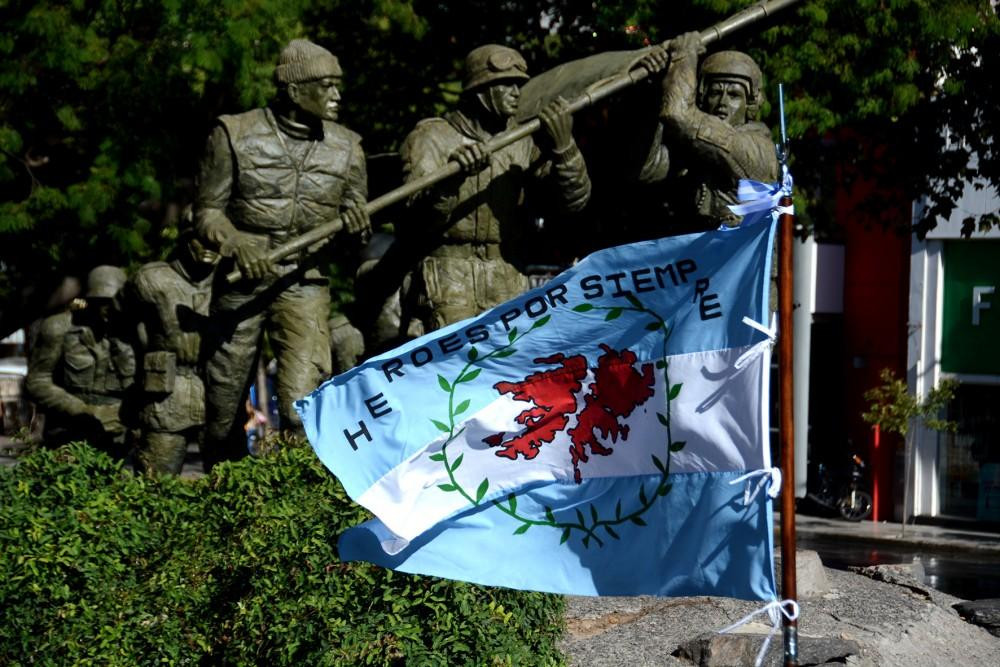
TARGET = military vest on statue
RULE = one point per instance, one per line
(173, 391)
(274, 193)
(98, 371)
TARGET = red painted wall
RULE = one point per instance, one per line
(875, 216)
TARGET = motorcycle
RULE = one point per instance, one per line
(851, 499)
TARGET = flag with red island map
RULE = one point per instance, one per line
(603, 434)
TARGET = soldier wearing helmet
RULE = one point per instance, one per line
(467, 231)
(711, 135)
(170, 302)
(268, 175)
(81, 367)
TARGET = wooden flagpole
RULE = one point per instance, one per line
(786, 229)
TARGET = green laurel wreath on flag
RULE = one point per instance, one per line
(590, 528)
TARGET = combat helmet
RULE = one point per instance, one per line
(493, 62)
(104, 282)
(733, 66)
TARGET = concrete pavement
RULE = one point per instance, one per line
(916, 536)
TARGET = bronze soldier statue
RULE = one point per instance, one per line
(347, 344)
(171, 301)
(267, 175)
(711, 135)
(378, 310)
(81, 367)
(468, 231)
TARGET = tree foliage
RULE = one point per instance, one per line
(104, 105)
(894, 409)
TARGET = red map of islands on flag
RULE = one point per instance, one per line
(618, 389)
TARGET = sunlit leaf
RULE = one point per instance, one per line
(470, 376)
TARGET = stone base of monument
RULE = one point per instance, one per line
(741, 648)
(984, 613)
(883, 615)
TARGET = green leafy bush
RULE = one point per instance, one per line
(102, 566)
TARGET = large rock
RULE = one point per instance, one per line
(861, 622)
(908, 575)
(810, 575)
(984, 613)
(719, 650)
(741, 649)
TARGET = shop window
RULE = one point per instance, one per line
(969, 459)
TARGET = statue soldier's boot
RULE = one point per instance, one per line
(162, 452)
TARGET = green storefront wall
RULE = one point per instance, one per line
(970, 336)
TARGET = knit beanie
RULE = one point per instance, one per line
(302, 61)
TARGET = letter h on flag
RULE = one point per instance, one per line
(604, 434)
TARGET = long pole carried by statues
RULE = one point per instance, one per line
(711, 34)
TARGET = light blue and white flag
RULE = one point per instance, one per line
(604, 434)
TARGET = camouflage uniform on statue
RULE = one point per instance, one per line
(170, 300)
(268, 175)
(468, 230)
(711, 134)
(81, 367)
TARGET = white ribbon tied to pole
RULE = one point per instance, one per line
(775, 610)
(759, 348)
(770, 477)
(756, 196)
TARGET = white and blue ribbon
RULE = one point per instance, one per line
(756, 196)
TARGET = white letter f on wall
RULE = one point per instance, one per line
(978, 305)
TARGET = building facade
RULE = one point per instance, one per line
(954, 332)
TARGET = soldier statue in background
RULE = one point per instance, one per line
(171, 301)
(81, 366)
(711, 135)
(468, 231)
(266, 176)
(378, 301)
(347, 344)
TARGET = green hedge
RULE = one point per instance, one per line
(102, 566)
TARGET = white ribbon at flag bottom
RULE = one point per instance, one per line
(768, 476)
(775, 610)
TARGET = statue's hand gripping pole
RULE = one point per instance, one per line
(310, 240)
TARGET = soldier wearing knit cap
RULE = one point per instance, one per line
(268, 175)
(302, 61)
